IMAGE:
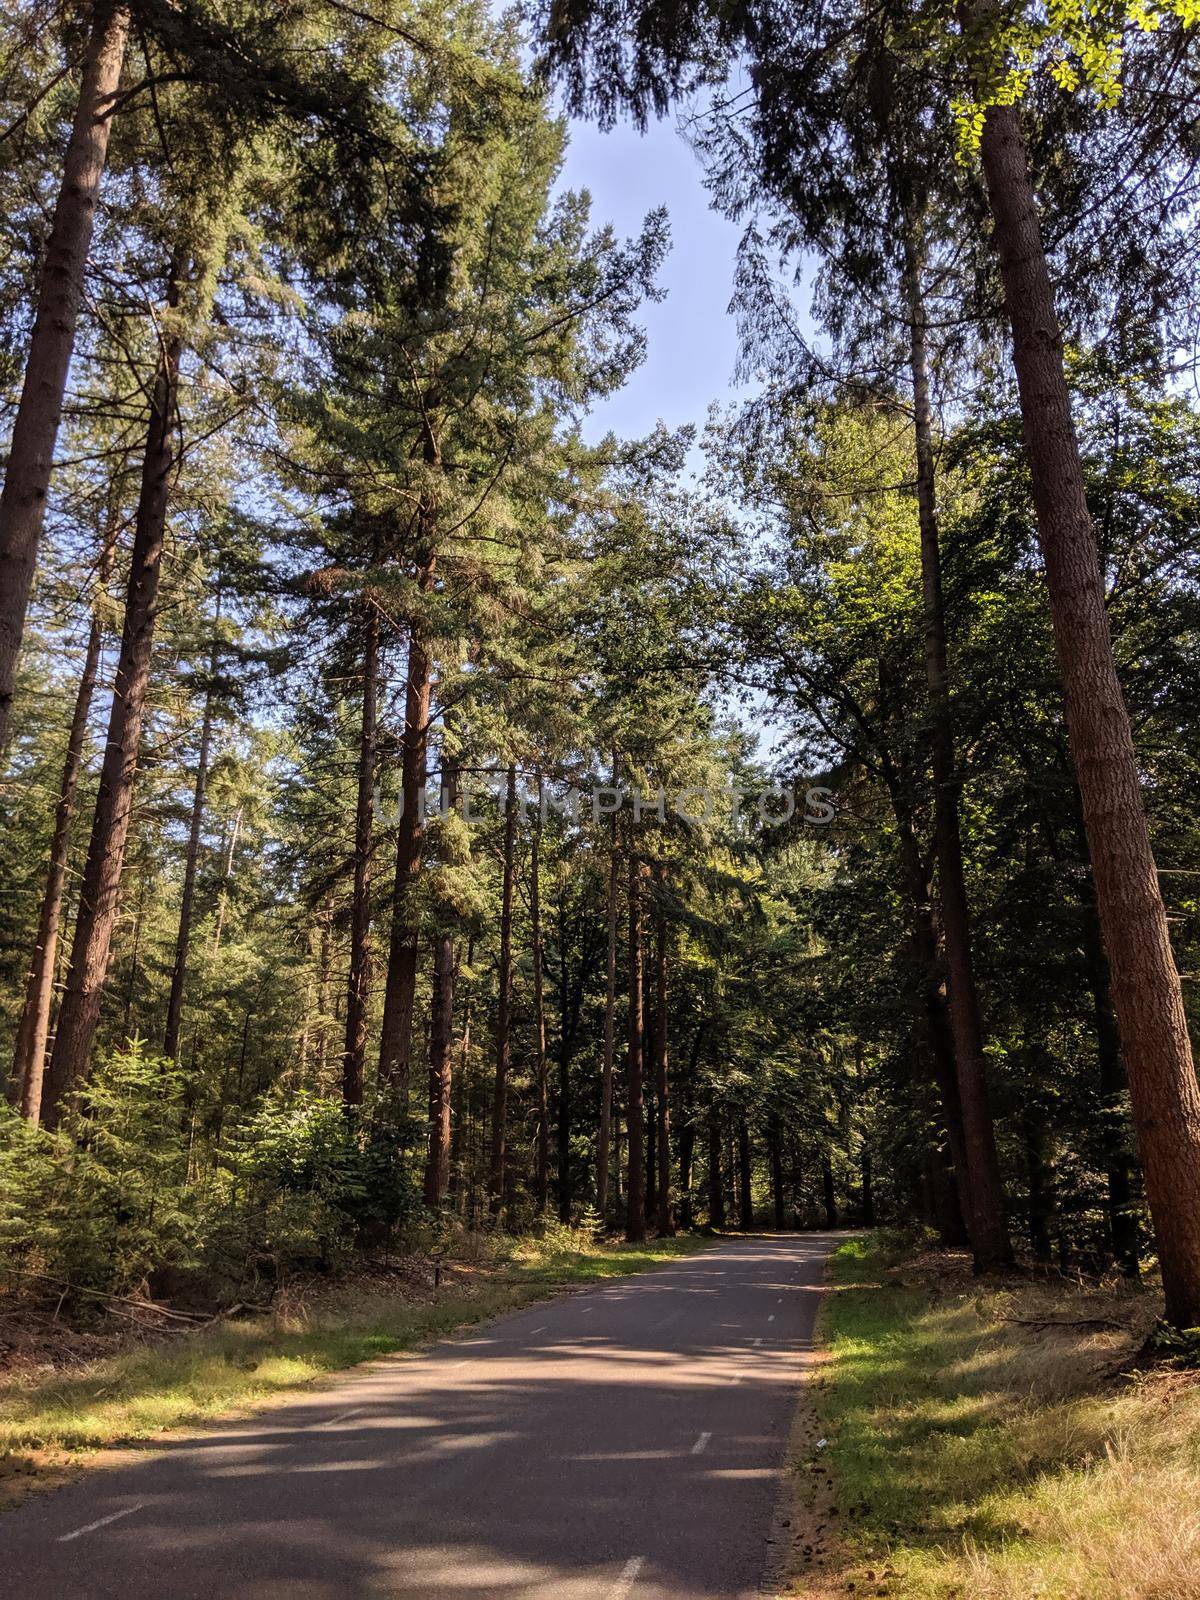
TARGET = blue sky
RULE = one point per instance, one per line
(692, 341)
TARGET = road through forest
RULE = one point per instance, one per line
(623, 1443)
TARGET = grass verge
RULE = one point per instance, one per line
(48, 1421)
(993, 1443)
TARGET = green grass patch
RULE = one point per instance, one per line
(231, 1366)
(979, 1452)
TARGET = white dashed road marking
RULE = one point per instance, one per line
(624, 1584)
(701, 1444)
(101, 1522)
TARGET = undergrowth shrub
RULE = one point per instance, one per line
(122, 1198)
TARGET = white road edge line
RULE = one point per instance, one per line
(701, 1444)
(101, 1522)
(624, 1584)
(540, 1329)
(342, 1416)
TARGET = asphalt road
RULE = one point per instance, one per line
(623, 1443)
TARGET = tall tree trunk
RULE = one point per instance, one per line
(462, 1108)
(868, 1187)
(687, 1158)
(1145, 983)
(358, 987)
(29, 1058)
(716, 1187)
(564, 1080)
(666, 1207)
(1033, 1135)
(441, 1071)
(223, 902)
(984, 1188)
(831, 1216)
(541, 1082)
(775, 1148)
(192, 858)
(745, 1193)
(441, 1038)
(504, 1010)
(60, 293)
(650, 1102)
(100, 889)
(396, 1035)
(610, 1011)
(1118, 1167)
(635, 1111)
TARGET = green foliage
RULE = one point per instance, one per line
(120, 1196)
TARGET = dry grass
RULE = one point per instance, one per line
(50, 1414)
(997, 1444)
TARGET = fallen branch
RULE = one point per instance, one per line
(113, 1299)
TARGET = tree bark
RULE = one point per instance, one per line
(831, 1216)
(745, 1191)
(564, 1079)
(987, 1220)
(541, 1082)
(441, 1039)
(100, 889)
(716, 1188)
(60, 293)
(358, 986)
(1145, 983)
(775, 1149)
(635, 1111)
(396, 1035)
(29, 1059)
(666, 1205)
(610, 1011)
(504, 1010)
(192, 858)
(868, 1188)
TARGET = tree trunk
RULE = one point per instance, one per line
(831, 1216)
(192, 858)
(745, 1191)
(541, 1081)
(60, 293)
(29, 1060)
(500, 1093)
(868, 1189)
(100, 888)
(358, 987)
(716, 1188)
(441, 1038)
(1145, 984)
(635, 1111)
(462, 1106)
(985, 1191)
(650, 1101)
(610, 1010)
(223, 901)
(1118, 1167)
(564, 1081)
(775, 1146)
(1039, 1200)
(666, 1207)
(395, 1041)
(687, 1156)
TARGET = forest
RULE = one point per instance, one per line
(423, 821)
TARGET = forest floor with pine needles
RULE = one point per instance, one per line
(67, 1394)
(993, 1440)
